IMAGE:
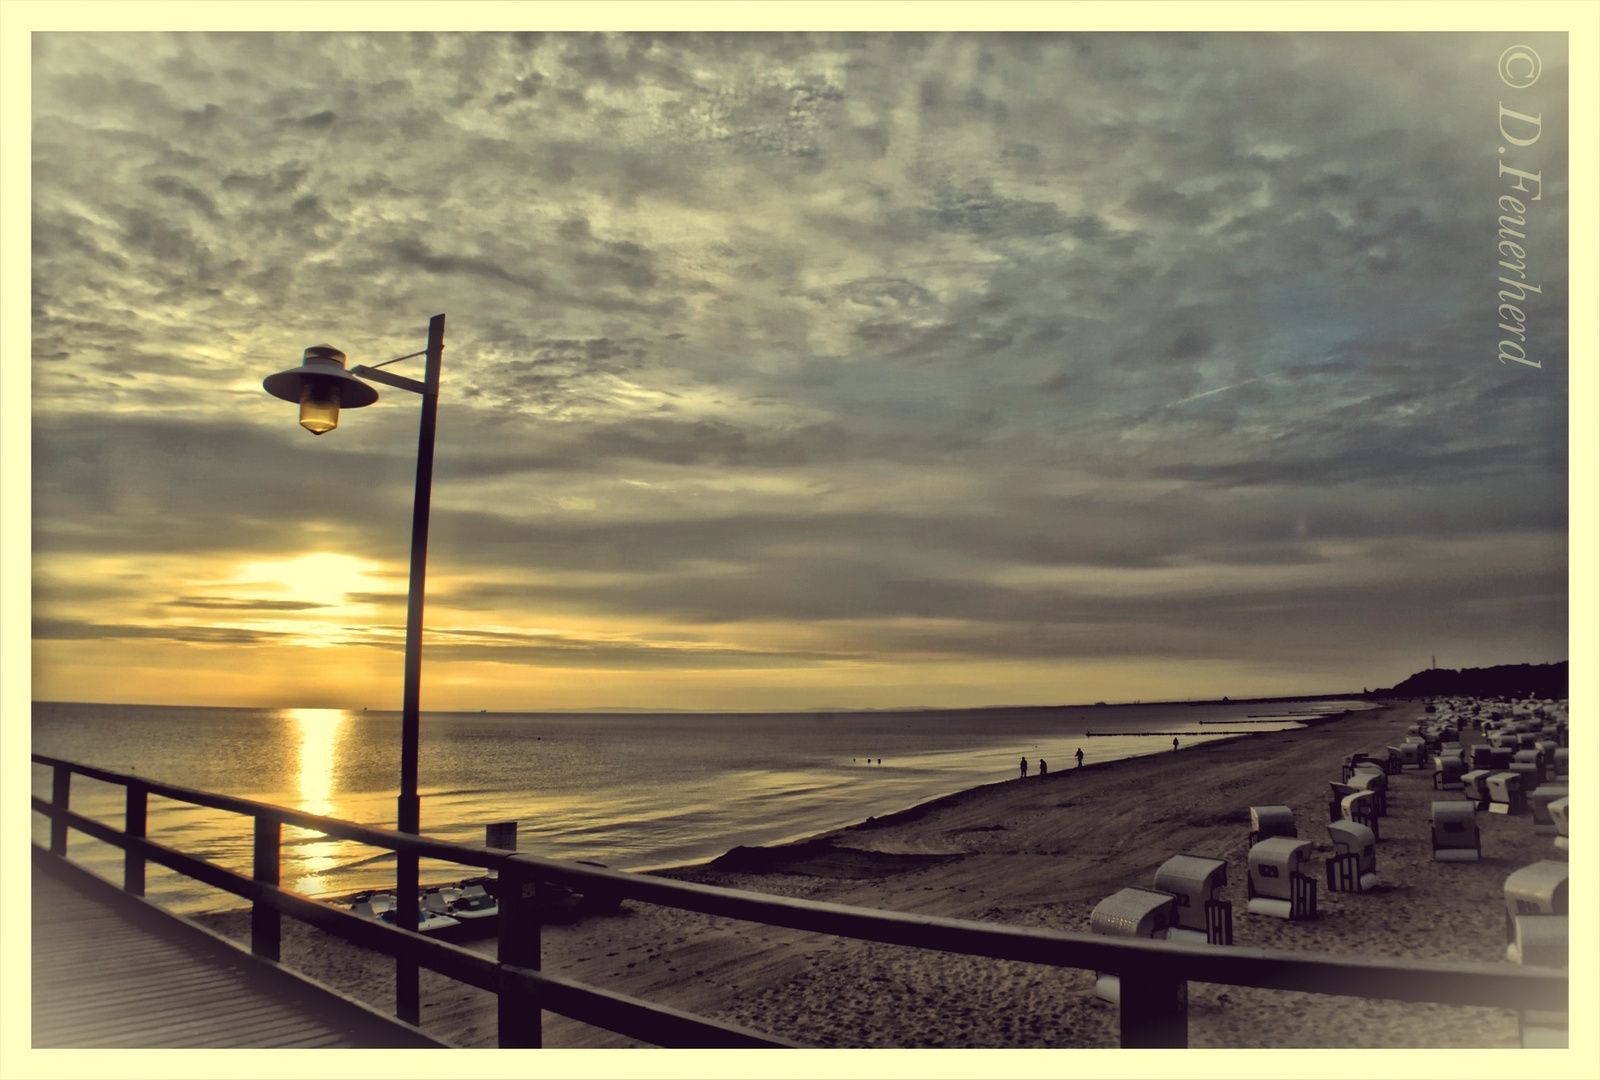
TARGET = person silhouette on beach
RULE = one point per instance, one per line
(1080, 757)
(1174, 743)
(1024, 766)
(1044, 767)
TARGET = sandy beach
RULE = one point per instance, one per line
(1036, 852)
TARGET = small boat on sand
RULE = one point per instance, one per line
(382, 906)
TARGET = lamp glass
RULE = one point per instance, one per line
(319, 405)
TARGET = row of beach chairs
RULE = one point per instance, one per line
(1186, 903)
(1521, 767)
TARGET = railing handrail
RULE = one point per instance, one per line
(1506, 986)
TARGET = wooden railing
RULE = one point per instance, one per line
(1154, 974)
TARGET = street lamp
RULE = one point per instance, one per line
(321, 387)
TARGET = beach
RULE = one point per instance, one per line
(1038, 852)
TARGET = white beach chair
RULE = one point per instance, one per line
(1353, 866)
(1375, 781)
(1270, 821)
(1455, 833)
(1539, 889)
(1558, 814)
(1200, 914)
(1539, 801)
(1361, 808)
(1529, 756)
(1473, 786)
(1506, 794)
(1277, 883)
(1561, 759)
(1135, 913)
(1540, 940)
(1447, 772)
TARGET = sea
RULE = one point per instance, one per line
(632, 791)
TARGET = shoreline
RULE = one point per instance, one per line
(1040, 852)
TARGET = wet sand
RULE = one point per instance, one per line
(1036, 852)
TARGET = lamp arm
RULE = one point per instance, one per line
(389, 378)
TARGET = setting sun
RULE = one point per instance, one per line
(323, 578)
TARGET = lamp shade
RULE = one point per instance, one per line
(321, 387)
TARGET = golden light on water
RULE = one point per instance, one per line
(320, 733)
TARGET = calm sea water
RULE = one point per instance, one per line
(631, 791)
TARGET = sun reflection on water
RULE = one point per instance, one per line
(308, 855)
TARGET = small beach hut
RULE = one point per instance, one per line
(1278, 884)
(1269, 821)
(1455, 833)
(1506, 794)
(1539, 801)
(1200, 914)
(1134, 913)
(1353, 866)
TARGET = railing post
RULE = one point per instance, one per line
(407, 973)
(134, 820)
(60, 799)
(1154, 1011)
(266, 929)
(521, 1020)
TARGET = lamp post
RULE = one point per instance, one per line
(321, 386)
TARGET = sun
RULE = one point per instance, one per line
(324, 578)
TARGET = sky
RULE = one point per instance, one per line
(798, 371)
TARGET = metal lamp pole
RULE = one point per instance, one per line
(321, 385)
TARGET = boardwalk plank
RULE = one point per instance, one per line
(110, 971)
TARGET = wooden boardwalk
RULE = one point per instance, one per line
(111, 971)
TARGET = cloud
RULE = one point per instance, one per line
(828, 330)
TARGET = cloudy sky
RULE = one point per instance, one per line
(795, 371)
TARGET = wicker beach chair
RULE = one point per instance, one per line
(1200, 914)
(1277, 883)
(1135, 913)
(1540, 940)
(1353, 866)
(1539, 889)
(1447, 772)
(1455, 833)
(1506, 794)
(1361, 808)
(1270, 821)
(1539, 801)
(1558, 814)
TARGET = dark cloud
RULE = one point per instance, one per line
(222, 603)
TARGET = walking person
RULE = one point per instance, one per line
(1024, 768)
(1174, 742)
(1080, 757)
(1044, 768)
